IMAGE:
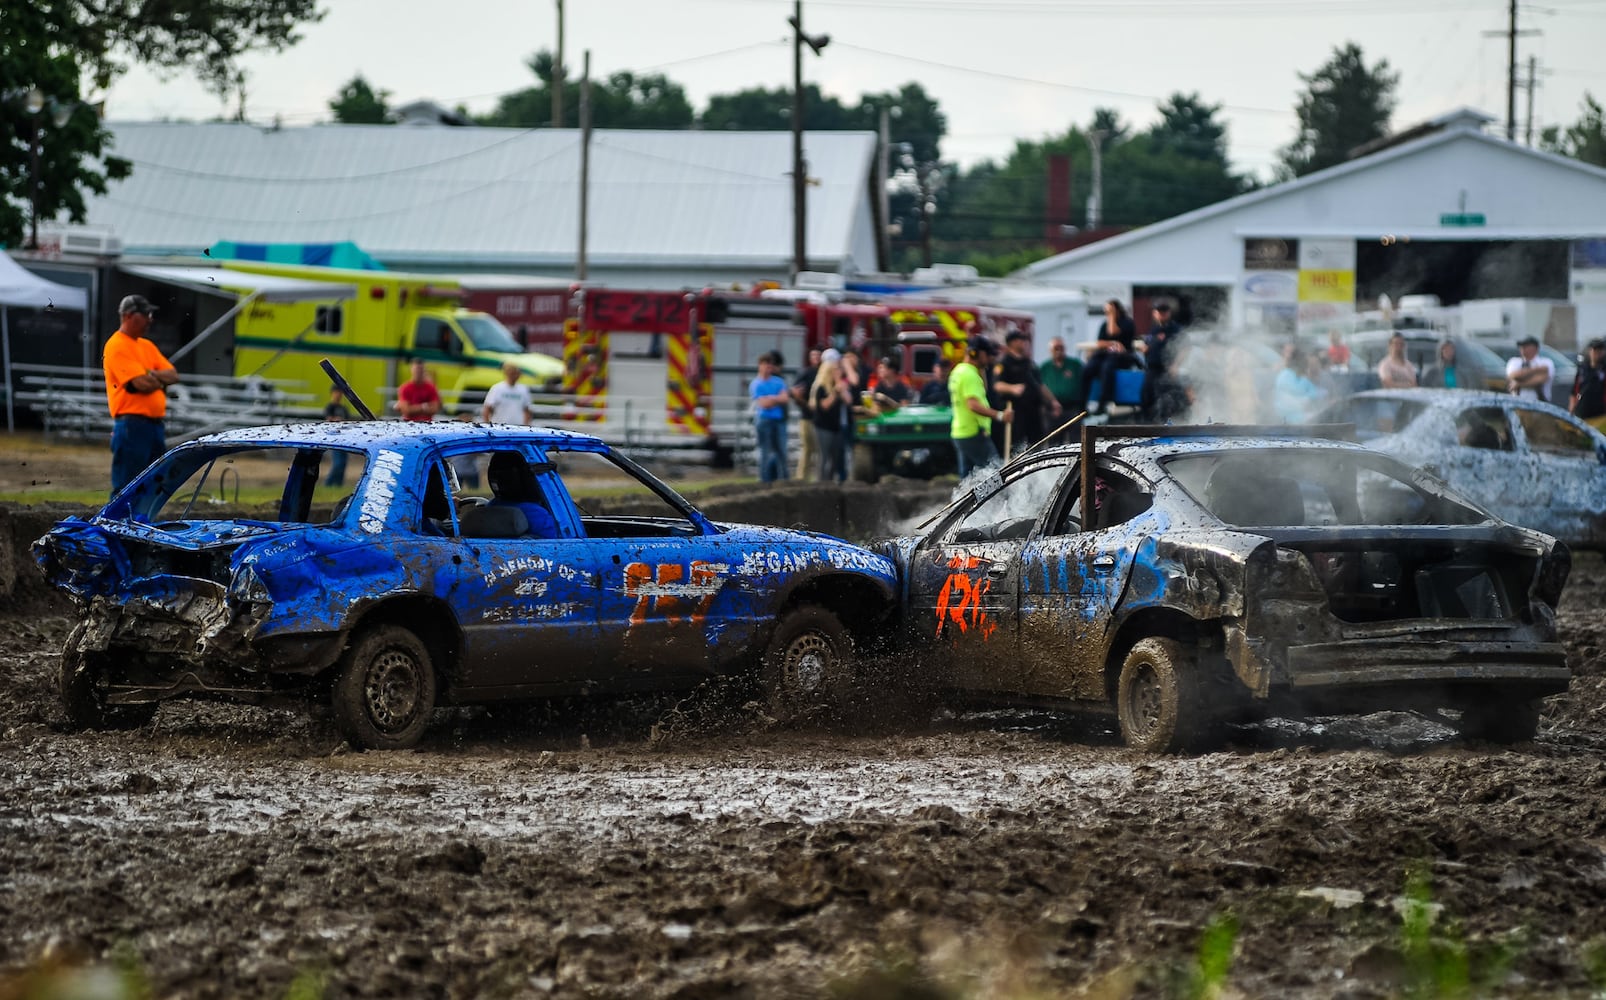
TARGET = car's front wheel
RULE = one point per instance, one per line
(83, 680)
(385, 689)
(807, 666)
(1158, 700)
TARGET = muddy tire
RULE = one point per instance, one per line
(1158, 699)
(807, 668)
(83, 692)
(385, 689)
(1499, 721)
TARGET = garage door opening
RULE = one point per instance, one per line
(1457, 270)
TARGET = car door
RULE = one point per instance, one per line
(1080, 567)
(965, 580)
(527, 605)
(1479, 452)
(675, 595)
(1565, 488)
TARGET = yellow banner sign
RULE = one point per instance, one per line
(1327, 286)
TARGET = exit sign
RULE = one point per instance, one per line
(1461, 219)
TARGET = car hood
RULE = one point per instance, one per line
(85, 558)
(826, 549)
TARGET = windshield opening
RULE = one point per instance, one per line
(1291, 488)
(307, 485)
(487, 334)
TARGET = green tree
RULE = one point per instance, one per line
(1188, 127)
(1585, 139)
(1108, 121)
(995, 213)
(623, 100)
(360, 104)
(56, 46)
(1345, 104)
(758, 109)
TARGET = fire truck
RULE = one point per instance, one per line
(651, 363)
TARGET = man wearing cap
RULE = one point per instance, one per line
(1528, 374)
(972, 422)
(137, 377)
(1588, 402)
(1016, 380)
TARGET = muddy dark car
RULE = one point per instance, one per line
(1188, 577)
(421, 586)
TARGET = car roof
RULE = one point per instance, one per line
(1452, 398)
(1194, 443)
(391, 434)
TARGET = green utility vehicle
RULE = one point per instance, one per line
(912, 441)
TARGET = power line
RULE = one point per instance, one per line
(1144, 10)
(1245, 109)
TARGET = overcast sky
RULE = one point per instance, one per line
(1001, 69)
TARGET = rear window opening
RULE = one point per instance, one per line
(1288, 488)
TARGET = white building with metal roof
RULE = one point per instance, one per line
(667, 208)
(1443, 209)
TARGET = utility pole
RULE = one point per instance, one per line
(1095, 201)
(1511, 34)
(800, 167)
(883, 174)
(558, 73)
(1533, 80)
(800, 191)
(585, 164)
(1511, 72)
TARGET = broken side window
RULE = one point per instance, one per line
(1011, 512)
(1554, 435)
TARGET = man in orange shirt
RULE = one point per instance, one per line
(137, 377)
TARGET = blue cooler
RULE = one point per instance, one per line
(1129, 386)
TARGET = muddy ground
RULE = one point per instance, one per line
(644, 852)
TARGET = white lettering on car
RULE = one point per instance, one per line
(762, 563)
(530, 564)
(381, 492)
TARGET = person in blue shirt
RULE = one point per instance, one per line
(1444, 374)
(1294, 395)
(769, 396)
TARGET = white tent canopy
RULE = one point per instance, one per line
(26, 290)
(20, 287)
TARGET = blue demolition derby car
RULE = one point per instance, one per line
(421, 586)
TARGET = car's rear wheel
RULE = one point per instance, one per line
(385, 689)
(807, 667)
(1498, 720)
(1158, 698)
(84, 678)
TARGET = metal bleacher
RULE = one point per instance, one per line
(72, 401)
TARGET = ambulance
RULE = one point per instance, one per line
(371, 329)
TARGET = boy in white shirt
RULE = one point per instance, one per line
(507, 402)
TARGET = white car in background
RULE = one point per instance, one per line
(1528, 462)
